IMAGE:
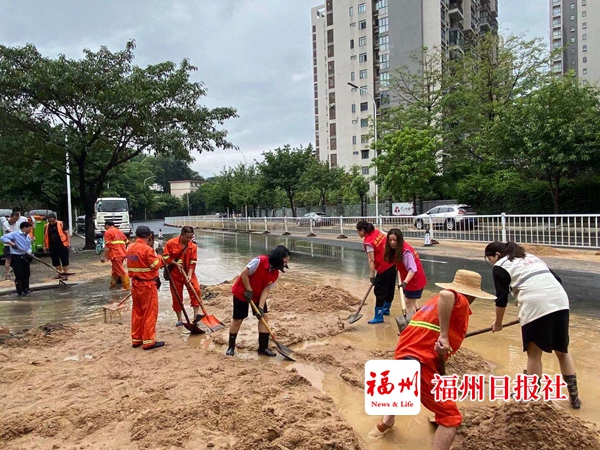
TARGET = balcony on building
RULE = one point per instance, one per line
(455, 11)
(484, 21)
(456, 39)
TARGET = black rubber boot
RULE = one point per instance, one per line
(263, 345)
(26, 285)
(571, 381)
(19, 286)
(231, 350)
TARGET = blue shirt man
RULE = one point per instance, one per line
(20, 241)
(20, 256)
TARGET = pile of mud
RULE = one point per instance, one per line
(42, 336)
(465, 361)
(526, 426)
(295, 298)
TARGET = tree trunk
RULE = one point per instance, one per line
(414, 204)
(554, 190)
(291, 199)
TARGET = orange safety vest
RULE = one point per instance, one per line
(116, 242)
(142, 262)
(64, 237)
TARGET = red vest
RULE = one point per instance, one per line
(258, 281)
(419, 281)
(376, 239)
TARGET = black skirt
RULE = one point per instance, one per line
(549, 332)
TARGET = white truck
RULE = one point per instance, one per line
(115, 209)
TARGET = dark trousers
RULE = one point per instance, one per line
(20, 265)
(385, 287)
(59, 255)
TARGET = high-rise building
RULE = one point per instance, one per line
(362, 42)
(578, 34)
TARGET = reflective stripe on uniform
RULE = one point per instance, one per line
(192, 262)
(429, 326)
(140, 269)
(150, 341)
(154, 264)
(116, 242)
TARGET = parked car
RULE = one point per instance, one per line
(39, 214)
(81, 223)
(5, 213)
(450, 217)
(316, 218)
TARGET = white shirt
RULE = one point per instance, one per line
(7, 227)
(536, 290)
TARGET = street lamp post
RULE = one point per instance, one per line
(375, 132)
(153, 176)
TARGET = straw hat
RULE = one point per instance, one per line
(467, 282)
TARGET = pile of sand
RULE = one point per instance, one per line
(465, 361)
(312, 299)
(526, 426)
(46, 335)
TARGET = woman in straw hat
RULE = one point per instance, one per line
(435, 332)
(543, 308)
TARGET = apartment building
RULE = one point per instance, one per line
(362, 42)
(575, 29)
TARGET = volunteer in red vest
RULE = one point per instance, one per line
(254, 284)
(382, 274)
(543, 308)
(438, 330)
(115, 250)
(181, 250)
(143, 265)
(57, 242)
(412, 276)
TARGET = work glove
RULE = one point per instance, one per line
(158, 283)
(248, 295)
(402, 285)
(372, 279)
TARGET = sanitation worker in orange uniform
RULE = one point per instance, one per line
(436, 331)
(143, 265)
(115, 245)
(183, 252)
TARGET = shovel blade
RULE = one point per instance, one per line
(284, 351)
(402, 324)
(193, 328)
(213, 323)
(354, 317)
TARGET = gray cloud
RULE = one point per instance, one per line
(254, 55)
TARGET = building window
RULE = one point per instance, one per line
(556, 23)
(333, 143)
(362, 57)
(351, 43)
(353, 108)
(364, 138)
(363, 74)
(363, 90)
(362, 7)
(314, 29)
(385, 97)
(572, 29)
(572, 6)
(384, 80)
(384, 61)
(351, 11)
(573, 62)
(585, 71)
(556, 45)
(584, 14)
(364, 106)
(329, 19)
(572, 40)
(354, 140)
(585, 59)
(362, 41)
(584, 48)
(332, 82)
(332, 130)
(584, 25)
(362, 24)
(383, 25)
(365, 170)
(382, 6)
(353, 57)
(352, 76)
(384, 43)
(331, 67)
(330, 36)
(364, 123)
(583, 2)
(364, 154)
(572, 51)
(333, 158)
(555, 2)
(584, 37)
(556, 34)
(556, 11)
(330, 51)
(585, 82)
(572, 16)
(353, 24)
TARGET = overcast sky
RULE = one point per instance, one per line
(254, 55)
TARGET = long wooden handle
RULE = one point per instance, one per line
(403, 301)
(488, 329)
(124, 300)
(262, 320)
(364, 300)
(189, 285)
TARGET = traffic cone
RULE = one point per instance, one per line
(427, 239)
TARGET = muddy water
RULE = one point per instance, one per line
(222, 256)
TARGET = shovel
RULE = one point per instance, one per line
(282, 349)
(114, 306)
(211, 322)
(402, 322)
(488, 329)
(357, 315)
(191, 327)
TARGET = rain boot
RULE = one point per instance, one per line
(386, 308)
(231, 350)
(113, 282)
(125, 282)
(378, 318)
(263, 345)
(26, 285)
(19, 286)
(571, 381)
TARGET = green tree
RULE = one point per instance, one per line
(320, 177)
(246, 187)
(102, 111)
(167, 169)
(358, 185)
(407, 162)
(283, 168)
(551, 133)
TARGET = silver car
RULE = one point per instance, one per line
(449, 217)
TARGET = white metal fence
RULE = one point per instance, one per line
(579, 230)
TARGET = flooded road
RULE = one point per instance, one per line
(222, 256)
